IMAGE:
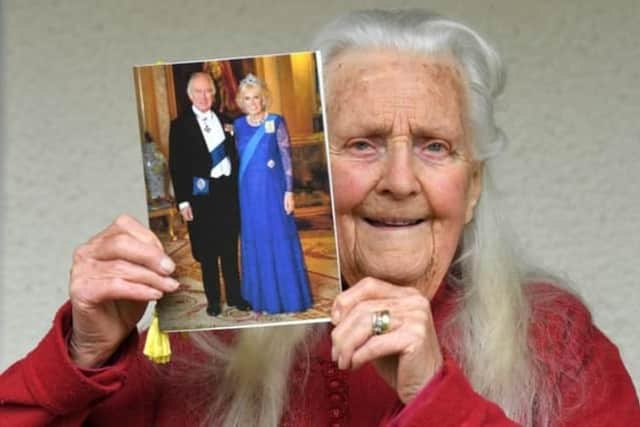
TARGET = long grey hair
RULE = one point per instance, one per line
(491, 325)
(489, 333)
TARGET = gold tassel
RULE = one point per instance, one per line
(157, 347)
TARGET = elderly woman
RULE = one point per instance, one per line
(274, 278)
(439, 325)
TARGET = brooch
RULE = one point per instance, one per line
(269, 126)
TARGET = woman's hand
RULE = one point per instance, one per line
(407, 355)
(113, 277)
(289, 203)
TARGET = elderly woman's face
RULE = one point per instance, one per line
(404, 179)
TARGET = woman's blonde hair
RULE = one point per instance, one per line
(252, 82)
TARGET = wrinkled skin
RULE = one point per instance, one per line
(405, 184)
(113, 277)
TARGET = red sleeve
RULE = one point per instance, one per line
(449, 400)
(582, 365)
(46, 388)
(604, 394)
(595, 389)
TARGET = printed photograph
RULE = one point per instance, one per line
(238, 190)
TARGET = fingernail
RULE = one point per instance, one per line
(167, 264)
(340, 362)
(334, 354)
(172, 283)
(156, 294)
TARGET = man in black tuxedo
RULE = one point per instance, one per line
(203, 162)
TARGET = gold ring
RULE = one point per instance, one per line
(380, 322)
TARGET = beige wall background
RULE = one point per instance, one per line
(71, 160)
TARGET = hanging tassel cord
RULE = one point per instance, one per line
(157, 346)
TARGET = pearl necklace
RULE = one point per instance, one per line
(259, 121)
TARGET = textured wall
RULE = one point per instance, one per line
(71, 158)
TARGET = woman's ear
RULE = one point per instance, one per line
(475, 188)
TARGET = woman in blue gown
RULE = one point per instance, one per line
(274, 277)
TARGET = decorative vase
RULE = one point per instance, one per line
(155, 170)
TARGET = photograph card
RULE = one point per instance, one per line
(235, 162)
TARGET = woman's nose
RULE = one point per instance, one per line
(398, 175)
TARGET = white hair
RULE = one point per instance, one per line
(488, 334)
(197, 74)
(491, 325)
(243, 379)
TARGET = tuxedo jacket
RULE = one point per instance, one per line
(216, 219)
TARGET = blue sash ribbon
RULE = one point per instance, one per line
(250, 149)
(218, 154)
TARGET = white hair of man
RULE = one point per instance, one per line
(492, 321)
(197, 74)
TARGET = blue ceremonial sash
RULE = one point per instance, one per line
(218, 154)
(250, 150)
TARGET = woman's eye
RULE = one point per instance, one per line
(361, 145)
(434, 149)
(362, 148)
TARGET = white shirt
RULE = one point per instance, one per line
(213, 134)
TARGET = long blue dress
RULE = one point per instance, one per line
(274, 277)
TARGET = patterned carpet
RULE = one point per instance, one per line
(185, 309)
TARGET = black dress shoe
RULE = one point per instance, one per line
(213, 309)
(243, 305)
